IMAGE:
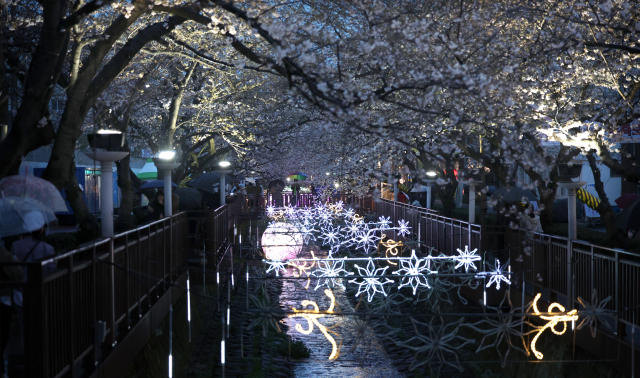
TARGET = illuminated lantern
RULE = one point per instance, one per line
(281, 241)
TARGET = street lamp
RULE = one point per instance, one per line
(567, 173)
(223, 173)
(431, 178)
(104, 143)
(166, 162)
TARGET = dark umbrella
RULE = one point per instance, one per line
(190, 198)
(629, 218)
(206, 181)
(276, 186)
(514, 194)
(155, 184)
(626, 199)
(560, 210)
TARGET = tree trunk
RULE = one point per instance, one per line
(614, 235)
(547, 197)
(126, 220)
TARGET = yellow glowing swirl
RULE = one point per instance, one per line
(311, 316)
(392, 248)
(553, 321)
(302, 268)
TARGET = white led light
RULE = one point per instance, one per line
(228, 315)
(222, 351)
(167, 155)
(224, 164)
(218, 277)
(188, 302)
(170, 366)
(109, 132)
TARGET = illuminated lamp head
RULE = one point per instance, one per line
(281, 241)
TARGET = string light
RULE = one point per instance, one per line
(312, 316)
(552, 321)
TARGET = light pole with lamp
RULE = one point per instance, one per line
(166, 163)
(567, 173)
(104, 144)
(223, 173)
(431, 178)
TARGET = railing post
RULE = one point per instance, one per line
(36, 345)
(570, 299)
(112, 296)
(72, 319)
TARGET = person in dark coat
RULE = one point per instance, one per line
(7, 273)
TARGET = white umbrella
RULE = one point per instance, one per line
(22, 215)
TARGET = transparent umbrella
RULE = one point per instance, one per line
(33, 187)
(21, 215)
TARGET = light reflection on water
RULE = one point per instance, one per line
(368, 359)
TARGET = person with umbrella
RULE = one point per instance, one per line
(31, 248)
(7, 273)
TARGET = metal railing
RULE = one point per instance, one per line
(76, 316)
(561, 269)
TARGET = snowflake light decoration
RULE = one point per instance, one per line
(598, 309)
(434, 340)
(403, 227)
(496, 275)
(366, 239)
(371, 283)
(276, 265)
(503, 328)
(467, 258)
(384, 222)
(412, 269)
(328, 273)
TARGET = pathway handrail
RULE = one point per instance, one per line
(76, 315)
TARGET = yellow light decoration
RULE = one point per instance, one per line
(312, 318)
(553, 320)
(303, 269)
(392, 248)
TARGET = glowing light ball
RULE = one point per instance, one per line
(281, 241)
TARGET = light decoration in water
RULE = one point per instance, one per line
(553, 320)
(276, 265)
(312, 316)
(371, 283)
(391, 248)
(403, 227)
(328, 270)
(281, 241)
(496, 275)
(467, 258)
(303, 269)
(412, 269)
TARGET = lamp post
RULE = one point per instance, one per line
(567, 173)
(103, 143)
(165, 162)
(431, 178)
(223, 173)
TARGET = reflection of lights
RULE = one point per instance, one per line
(281, 241)
(302, 268)
(553, 320)
(311, 316)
